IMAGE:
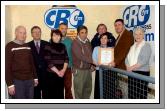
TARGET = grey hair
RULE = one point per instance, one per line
(138, 28)
(18, 27)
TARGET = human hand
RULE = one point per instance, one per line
(129, 69)
(61, 73)
(93, 68)
(11, 90)
(112, 64)
(35, 82)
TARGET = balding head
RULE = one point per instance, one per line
(20, 33)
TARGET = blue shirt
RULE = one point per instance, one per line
(95, 55)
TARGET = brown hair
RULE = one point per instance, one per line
(35, 27)
(101, 25)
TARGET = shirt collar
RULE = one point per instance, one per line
(18, 42)
(83, 41)
(37, 40)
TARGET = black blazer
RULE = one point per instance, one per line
(39, 60)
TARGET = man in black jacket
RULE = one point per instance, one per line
(101, 28)
(37, 46)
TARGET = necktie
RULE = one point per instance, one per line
(37, 47)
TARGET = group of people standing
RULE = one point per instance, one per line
(41, 69)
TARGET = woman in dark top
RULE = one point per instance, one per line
(57, 61)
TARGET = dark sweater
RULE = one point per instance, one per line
(56, 55)
(96, 40)
(18, 63)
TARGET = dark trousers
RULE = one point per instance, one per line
(39, 89)
(37, 92)
(24, 89)
(68, 84)
(54, 87)
(138, 89)
(97, 87)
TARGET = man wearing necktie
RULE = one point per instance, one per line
(37, 45)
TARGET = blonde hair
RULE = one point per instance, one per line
(139, 28)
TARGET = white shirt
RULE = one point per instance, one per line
(83, 41)
(39, 42)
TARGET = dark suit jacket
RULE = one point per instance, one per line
(39, 61)
(122, 48)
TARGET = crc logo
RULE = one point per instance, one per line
(136, 15)
(71, 16)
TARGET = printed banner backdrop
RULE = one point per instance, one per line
(70, 15)
(90, 15)
(142, 15)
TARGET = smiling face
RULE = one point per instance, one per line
(101, 29)
(56, 38)
(104, 40)
(36, 34)
(20, 33)
(63, 28)
(83, 34)
(138, 35)
(119, 27)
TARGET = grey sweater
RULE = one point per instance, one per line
(143, 58)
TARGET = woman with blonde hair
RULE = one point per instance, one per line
(137, 61)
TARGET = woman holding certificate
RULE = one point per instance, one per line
(102, 55)
(137, 61)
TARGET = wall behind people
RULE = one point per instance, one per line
(34, 15)
(143, 16)
(30, 15)
(27, 16)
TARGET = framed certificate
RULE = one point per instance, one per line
(105, 56)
